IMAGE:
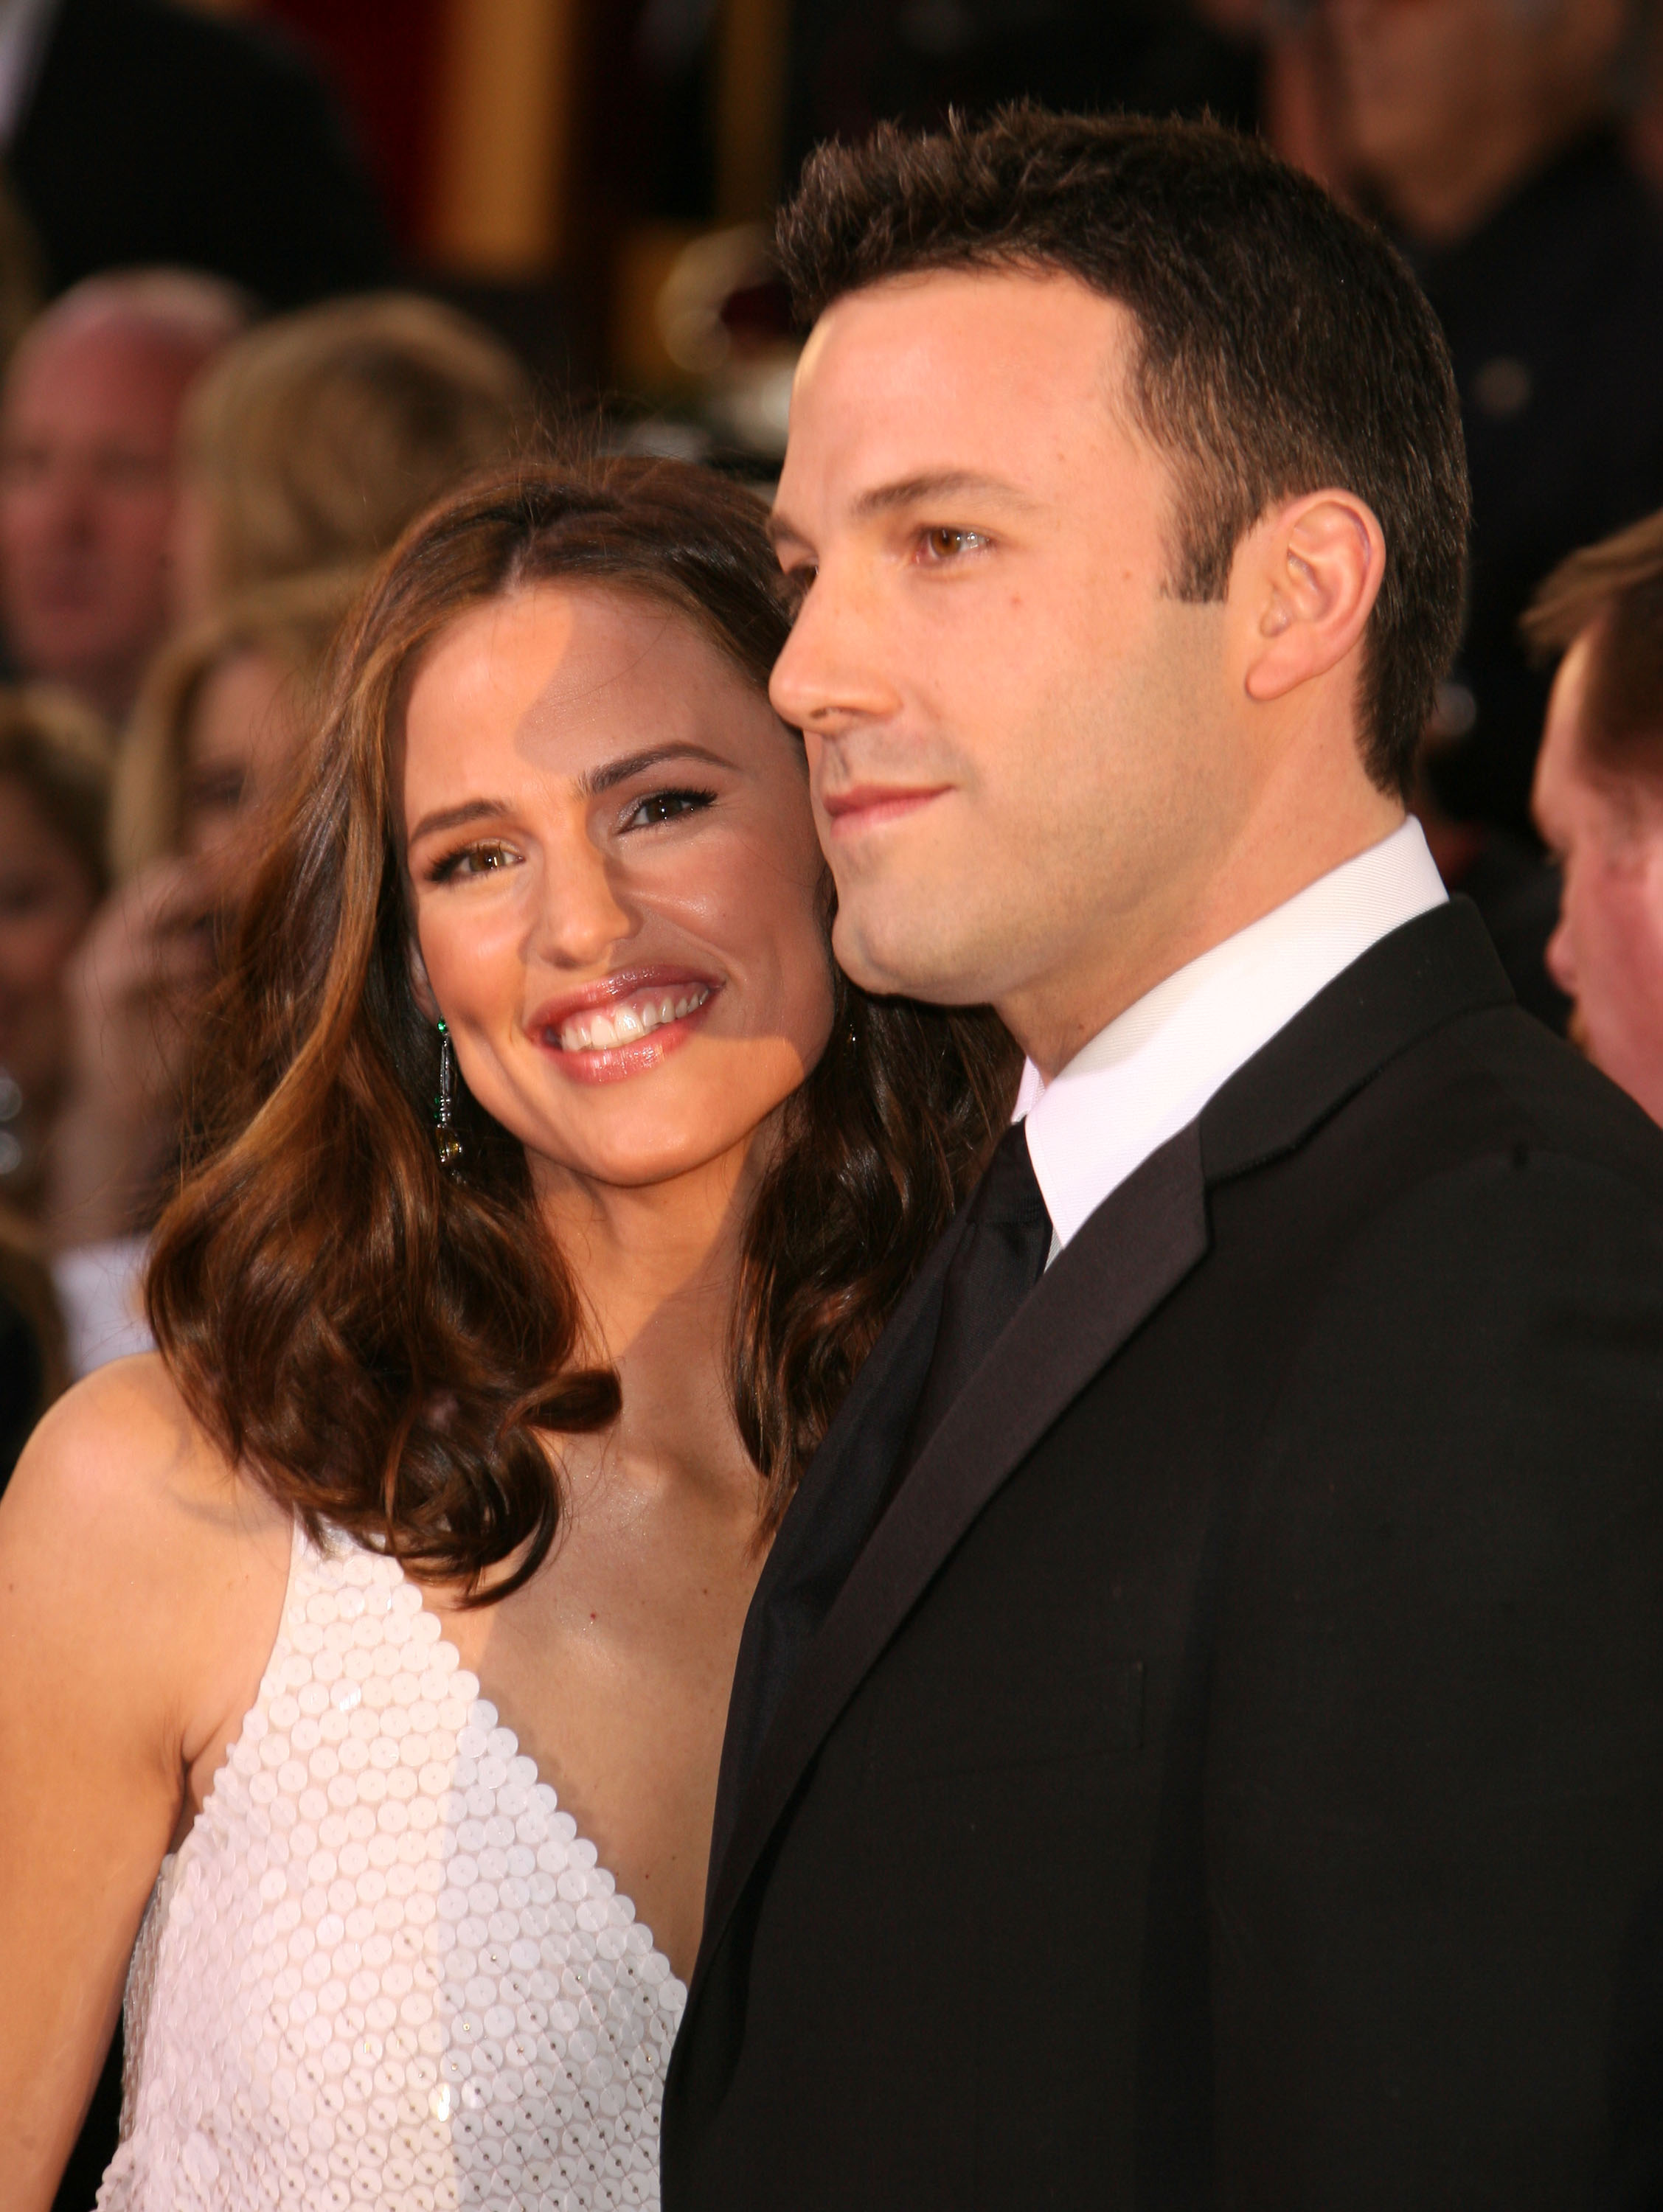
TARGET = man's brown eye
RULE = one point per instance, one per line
(946, 544)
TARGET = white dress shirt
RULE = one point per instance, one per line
(1152, 1069)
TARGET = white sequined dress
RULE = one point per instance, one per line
(383, 1968)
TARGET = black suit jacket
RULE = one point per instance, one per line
(156, 133)
(1232, 1772)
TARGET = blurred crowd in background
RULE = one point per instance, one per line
(274, 277)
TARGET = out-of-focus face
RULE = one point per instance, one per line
(1607, 951)
(1427, 89)
(46, 901)
(1021, 743)
(86, 434)
(194, 584)
(616, 891)
(242, 738)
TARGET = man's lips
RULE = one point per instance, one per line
(624, 1023)
(864, 806)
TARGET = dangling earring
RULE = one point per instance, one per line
(450, 1144)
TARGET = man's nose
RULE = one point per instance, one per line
(834, 670)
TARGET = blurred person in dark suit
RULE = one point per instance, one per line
(1599, 804)
(1599, 797)
(140, 131)
(88, 425)
(1484, 133)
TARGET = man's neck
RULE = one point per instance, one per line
(1059, 1014)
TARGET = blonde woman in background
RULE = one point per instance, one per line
(315, 440)
(217, 727)
(219, 720)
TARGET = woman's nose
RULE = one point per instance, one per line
(586, 909)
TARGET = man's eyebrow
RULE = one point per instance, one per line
(939, 483)
(912, 491)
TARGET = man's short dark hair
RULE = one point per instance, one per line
(1285, 347)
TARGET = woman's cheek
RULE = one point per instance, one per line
(473, 960)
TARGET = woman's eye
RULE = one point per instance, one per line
(945, 543)
(482, 859)
(660, 806)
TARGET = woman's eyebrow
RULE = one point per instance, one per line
(453, 817)
(590, 784)
(595, 781)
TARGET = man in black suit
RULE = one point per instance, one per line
(1199, 1738)
(149, 132)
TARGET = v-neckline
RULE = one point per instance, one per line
(448, 1643)
(172, 1863)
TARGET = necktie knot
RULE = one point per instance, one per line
(1009, 1195)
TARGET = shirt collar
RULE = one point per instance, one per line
(1148, 1074)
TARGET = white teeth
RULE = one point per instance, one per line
(628, 1023)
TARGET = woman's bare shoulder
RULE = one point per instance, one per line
(122, 1501)
(123, 1443)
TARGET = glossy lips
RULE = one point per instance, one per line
(625, 1024)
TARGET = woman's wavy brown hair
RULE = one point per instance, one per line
(379, 1344)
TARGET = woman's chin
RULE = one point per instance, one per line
(641, 1164)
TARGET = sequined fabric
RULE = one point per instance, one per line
(383, 1968)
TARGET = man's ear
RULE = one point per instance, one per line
(420, 987)
(1307, 577)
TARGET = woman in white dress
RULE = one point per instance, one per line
(364, 1656)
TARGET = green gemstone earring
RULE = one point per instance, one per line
(450, 1144)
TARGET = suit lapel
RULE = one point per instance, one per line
(1135, 1250)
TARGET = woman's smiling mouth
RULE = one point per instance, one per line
(623, 1025)
(629, 1020)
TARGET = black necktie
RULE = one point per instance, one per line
(1006, 1243)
